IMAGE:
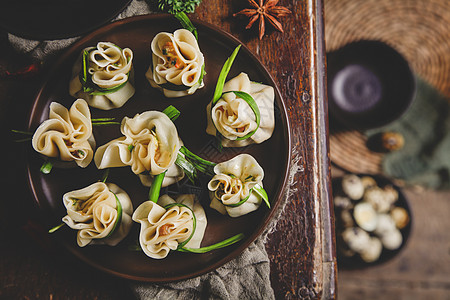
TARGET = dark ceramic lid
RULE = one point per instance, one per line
(57, 19)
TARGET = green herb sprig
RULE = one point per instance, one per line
(176, 6)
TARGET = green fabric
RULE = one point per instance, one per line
(425, 158)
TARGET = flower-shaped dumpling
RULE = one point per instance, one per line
(101, 212)
(231, 189)
(103, 76)
(67, 134)
(233, 118)
(177, 63)
(150, 145)
(168, 224)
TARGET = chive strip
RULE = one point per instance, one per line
(228, 242)
(203, 72)
(172, 112)
(22, 132)
(186, 23)
(102, 119)
(54, 229)
(262, 192)
(223, 75)
(84, 72)
(194, 222)
(27, 133)
(240, 202)
(155, 188)
(199, 163)
(119, 216)
(105, 123)
(251, 102)
(46, 167)
(105, 91)
(105, 176)
(188, 167)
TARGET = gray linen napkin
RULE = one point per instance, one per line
(425, 127)
(245, 277)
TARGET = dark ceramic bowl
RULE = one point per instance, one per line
(355, 261)
(369, 84)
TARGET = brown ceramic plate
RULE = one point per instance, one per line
(273, 155)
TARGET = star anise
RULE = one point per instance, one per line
(268, 10)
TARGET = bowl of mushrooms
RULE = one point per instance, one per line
(373, 220)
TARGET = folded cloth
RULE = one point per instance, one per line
(425, 157)
(245, 277)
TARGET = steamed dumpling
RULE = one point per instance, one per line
(233, 118)
(149, 146)
(67, 134)
(177, 63)
(233, 183)
(107, 76)
(93, 211)
(163, 229)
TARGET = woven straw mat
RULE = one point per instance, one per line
(418, 29)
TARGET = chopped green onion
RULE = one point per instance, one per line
(187, 167)
(155, 188)
(46, 167)
(223, 76)
(199, 163)
(172, 112)
(56, 228)
(194, 222)
(186, 23)
(222, 244)
(262, 192)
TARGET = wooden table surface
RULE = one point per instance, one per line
(301, 249)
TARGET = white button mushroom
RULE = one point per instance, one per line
(352, 186)
(373, 250)
(365, 216)
(384, 224)
(400, 217)
(392, 240)
(356, 238)
(376, 196)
